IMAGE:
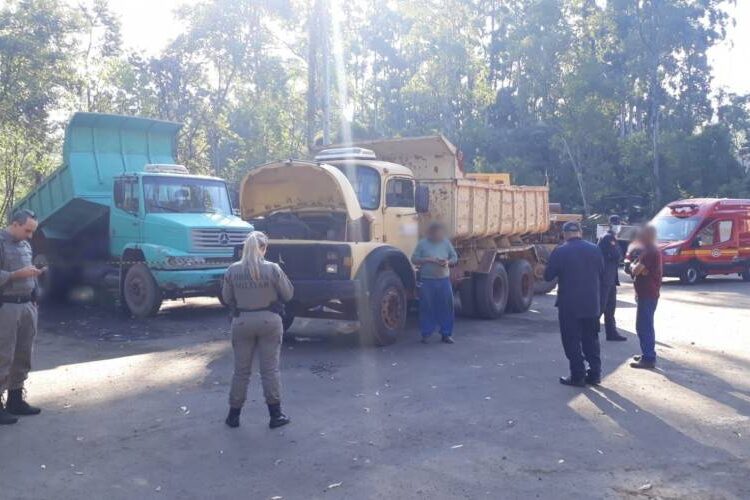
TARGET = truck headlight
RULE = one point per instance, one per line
(671, 252)
(332, 268)
(185, 261)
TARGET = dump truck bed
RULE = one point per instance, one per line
(97, 149)
(473, 206)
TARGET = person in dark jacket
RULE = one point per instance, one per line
(578, 266)
(610, 280)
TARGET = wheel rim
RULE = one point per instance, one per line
(391, 309)
(526, 285)
(136, 289)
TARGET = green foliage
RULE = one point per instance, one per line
(596, 98)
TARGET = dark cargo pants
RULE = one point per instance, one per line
(580, 339)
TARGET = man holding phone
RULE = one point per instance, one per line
(647, 273)
(434, 255)
(18, 313)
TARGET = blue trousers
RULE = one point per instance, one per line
(644, 327)
(436, 307)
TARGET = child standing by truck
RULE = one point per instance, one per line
(434, 255)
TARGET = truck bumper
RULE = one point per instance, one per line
(327, 299)
(312, 291)
(185, 282)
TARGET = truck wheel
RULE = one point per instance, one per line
(691, 275)
(286, 320)
(468, 298)
(541, 287)
(520, 286)
(745, 275)
(52, 285)
(382, 317)
(491, 292)
(140, 292)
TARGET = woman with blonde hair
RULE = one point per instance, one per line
(254, 289)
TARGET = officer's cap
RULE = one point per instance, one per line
(571, 227)
(614, 220)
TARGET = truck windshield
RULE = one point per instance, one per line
(669, 228)
(180, 195)
(366, 183)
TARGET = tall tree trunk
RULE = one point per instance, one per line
(312, 71)
(655, 93)
(326, 67)
(579, 176)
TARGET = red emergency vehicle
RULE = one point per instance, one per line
(703, 237)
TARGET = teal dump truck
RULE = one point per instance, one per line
(120, 216)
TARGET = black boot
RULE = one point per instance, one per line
(17, 406)
(616, 337)
(593, 378)
(5, 417)
(575, 382)
(277, 418)
(233, 419)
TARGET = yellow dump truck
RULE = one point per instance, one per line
(344, 226)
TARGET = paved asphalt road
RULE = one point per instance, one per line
(135, 410)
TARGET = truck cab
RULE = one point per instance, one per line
(704, 237)
(180, 226)
(120, 216)
(342, 230)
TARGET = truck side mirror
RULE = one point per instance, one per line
(422, 199)
(696, 243)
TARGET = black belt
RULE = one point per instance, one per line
(267, 308)
(15, 299)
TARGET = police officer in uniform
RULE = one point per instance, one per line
(18, 313)
(254, 288)
(610, 280)
(578, 266)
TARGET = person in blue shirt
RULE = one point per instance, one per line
(434, 256)
(610, 279)
(578, 266)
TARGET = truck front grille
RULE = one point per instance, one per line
(308, 262)
(216, 239)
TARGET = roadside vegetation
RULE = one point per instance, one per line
(598, 97)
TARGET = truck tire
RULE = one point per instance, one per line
(52, 286)
(141, 295)
(491, 292)
(691, 275)
(745, 275)
(520, 286)
(286, 320)
(466, 294)
(382, 315)
(542, 287)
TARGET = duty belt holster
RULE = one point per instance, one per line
(16, 300)
(275, 307)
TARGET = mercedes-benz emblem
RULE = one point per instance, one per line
(223, 238)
